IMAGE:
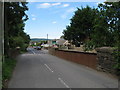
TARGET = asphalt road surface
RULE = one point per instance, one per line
(38, 69)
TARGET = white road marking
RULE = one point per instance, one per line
(64, 83)
(48, 67)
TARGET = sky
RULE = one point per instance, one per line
(51, 17)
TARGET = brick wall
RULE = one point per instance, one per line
(84, 58)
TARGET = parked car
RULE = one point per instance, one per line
(35, 47)
(38, 48)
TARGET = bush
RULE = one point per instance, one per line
(89, 45)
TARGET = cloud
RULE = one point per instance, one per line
(32, 15)
(54, 22)
(69, 0)
(64, 16)
(68, 11)
(100, 3)
(44, 5)
(71, 10)
(55, 4)
(47, 5)
(33, 19)
(65, 5)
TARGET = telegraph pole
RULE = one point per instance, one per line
(1, 39)
(2, 30)
(47, 38)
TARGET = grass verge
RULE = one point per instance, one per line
(7, 70)
(0, 74)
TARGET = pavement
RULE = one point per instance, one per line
(39, 69)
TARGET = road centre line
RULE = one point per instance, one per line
(48, 67)
(63, 83)
(58, 78)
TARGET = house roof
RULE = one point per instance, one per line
(62, 42)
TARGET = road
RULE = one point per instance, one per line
(38, 69)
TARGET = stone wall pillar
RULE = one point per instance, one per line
(105, 59)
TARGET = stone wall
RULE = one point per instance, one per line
(105, 59)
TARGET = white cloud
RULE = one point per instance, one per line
(100, 2)
(65, 5)
(68, 0)
(55, 4)
(47, 5)
(64, 16)
(70, 10)
(30, 2)
(44, 5)
(33, 18)
(54, 22)
(32, 15)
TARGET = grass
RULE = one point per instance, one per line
(0, 74)
(22, 52)
(7, 70)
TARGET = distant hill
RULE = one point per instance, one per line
(39, 39)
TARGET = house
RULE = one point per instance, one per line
(52, 42)
(62, 42)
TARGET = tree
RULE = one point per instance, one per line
(101, 35)
(105, 28)
(112, 14)
(81, 25)
(15, 17)
(113, 18)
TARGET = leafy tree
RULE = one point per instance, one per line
(81, 25)
(15, 17)
(95, 25)
(101, 35)
(105, 29)
(112, 14)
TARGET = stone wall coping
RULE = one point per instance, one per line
(105, 49)
(78, 52)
